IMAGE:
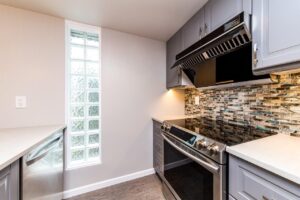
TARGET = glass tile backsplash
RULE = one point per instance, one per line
(273, 107)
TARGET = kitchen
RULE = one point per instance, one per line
(193, 99)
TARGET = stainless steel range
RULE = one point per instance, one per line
(195, 158)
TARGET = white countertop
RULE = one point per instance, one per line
(161, 119)
(16, 142)
(279, 154)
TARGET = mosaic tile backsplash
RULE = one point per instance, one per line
(274, 107)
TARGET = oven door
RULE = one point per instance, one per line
(189, 175)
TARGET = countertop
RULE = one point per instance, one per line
(16, 142)
(161, 119)
(279, 154)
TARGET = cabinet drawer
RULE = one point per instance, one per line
(156, 126)
(247, 182)
(255, 187)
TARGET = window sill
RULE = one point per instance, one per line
(83, 165)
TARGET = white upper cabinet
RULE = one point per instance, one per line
(218, 12)
(276, 35)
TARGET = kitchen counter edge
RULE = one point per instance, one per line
(269, 154)
(21, 142)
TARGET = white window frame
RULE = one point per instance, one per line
(90, 29)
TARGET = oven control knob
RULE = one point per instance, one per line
(165, 127)
(201, 143)
(213, 148)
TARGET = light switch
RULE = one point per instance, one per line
(197, 100)
(21, 101)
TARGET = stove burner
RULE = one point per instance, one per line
(220, 131)
(211, 137)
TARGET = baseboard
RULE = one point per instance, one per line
(106, 183)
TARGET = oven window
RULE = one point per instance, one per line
(188, 179)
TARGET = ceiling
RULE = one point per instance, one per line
(157, 19)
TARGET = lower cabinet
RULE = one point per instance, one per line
(249, 182)
(9, 182)
(157, 148)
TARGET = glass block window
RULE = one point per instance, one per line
(83, 102)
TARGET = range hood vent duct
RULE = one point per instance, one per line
(227, 38)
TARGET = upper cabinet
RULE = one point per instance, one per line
(211, 16)
(276, 31)
(174, 46)
(193, 30)
(218, 12)
(214, 14)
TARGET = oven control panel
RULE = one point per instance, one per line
(204, 145)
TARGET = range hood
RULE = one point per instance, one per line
(223, 58)
(230, 36)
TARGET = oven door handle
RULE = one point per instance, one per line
(211, 167)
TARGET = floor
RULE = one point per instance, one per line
(146, 188)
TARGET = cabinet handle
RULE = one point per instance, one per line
(178, 75)
(205, 27)
(200, 31)
(265, 198)
(255, 49)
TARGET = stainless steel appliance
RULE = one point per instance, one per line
(223, 57)
(42, 170)
(195, 159)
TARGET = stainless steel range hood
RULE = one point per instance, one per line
(227, 38)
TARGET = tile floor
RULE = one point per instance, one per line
(146, 188)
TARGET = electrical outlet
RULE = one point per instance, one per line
(21, 101)
(197, 100)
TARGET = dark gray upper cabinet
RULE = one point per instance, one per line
(193, 30)
(9, 182)
(174, 46)
(211, 16)
(276, 30)
(248, 182)
(218, 12)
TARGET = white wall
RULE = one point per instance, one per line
(133, 85)
(31, 64)
(133, 89)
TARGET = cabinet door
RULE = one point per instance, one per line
(157, 148)
(248, 182)
(4, 184)
(193, 30)
(174, 46)
(276, 30)
(218, 12)
(15, 181)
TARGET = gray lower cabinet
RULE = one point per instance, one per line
(157, 148)
(4, 184)
(9, 182)
(174, 46)
(276, 30)
(249, 182)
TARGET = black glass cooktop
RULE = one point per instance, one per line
(220, 131)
